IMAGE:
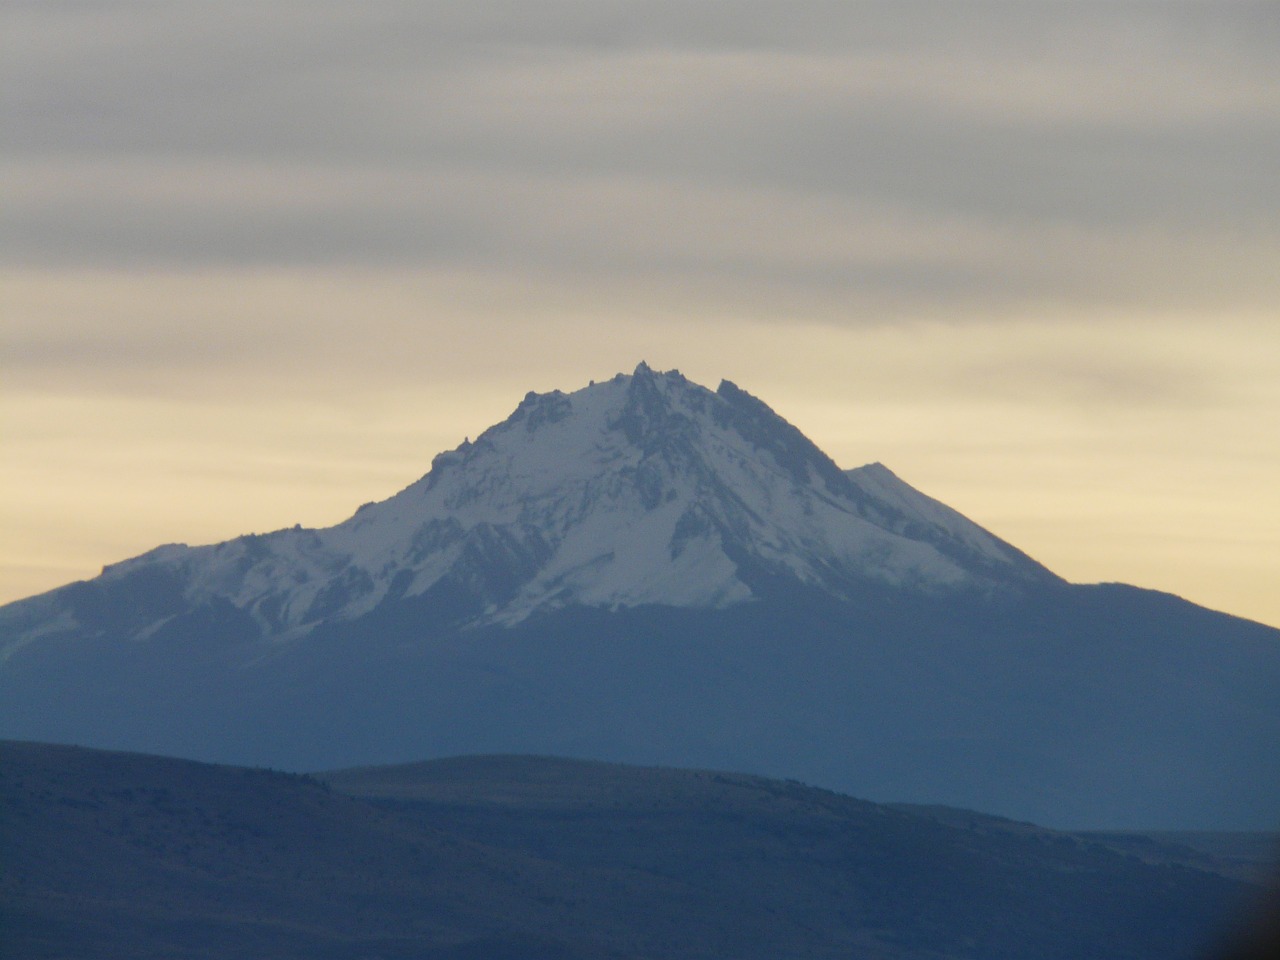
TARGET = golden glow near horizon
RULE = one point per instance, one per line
(261, 263)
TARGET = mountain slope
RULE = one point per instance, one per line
(639, 490)
(124, 856)
(647, 571)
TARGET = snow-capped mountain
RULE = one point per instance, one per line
(643, 489)
(648, 571)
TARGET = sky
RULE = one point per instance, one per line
(261, 262)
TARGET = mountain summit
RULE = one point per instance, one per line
(648, 571)
(643, 489)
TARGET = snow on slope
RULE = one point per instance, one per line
(911, 513)
(643, 489)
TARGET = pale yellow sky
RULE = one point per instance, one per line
(260, 262)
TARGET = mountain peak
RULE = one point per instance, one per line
(642, 489)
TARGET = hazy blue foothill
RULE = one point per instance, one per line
(122, 856)
(649, 571)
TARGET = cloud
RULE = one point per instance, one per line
(880, 153)
(1105, 382)
(630, 241)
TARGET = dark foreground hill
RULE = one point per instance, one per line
(128, 856)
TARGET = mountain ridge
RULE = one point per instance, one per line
(642, 489)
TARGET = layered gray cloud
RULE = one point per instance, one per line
(880, 155)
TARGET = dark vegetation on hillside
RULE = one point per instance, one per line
(126, 856)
